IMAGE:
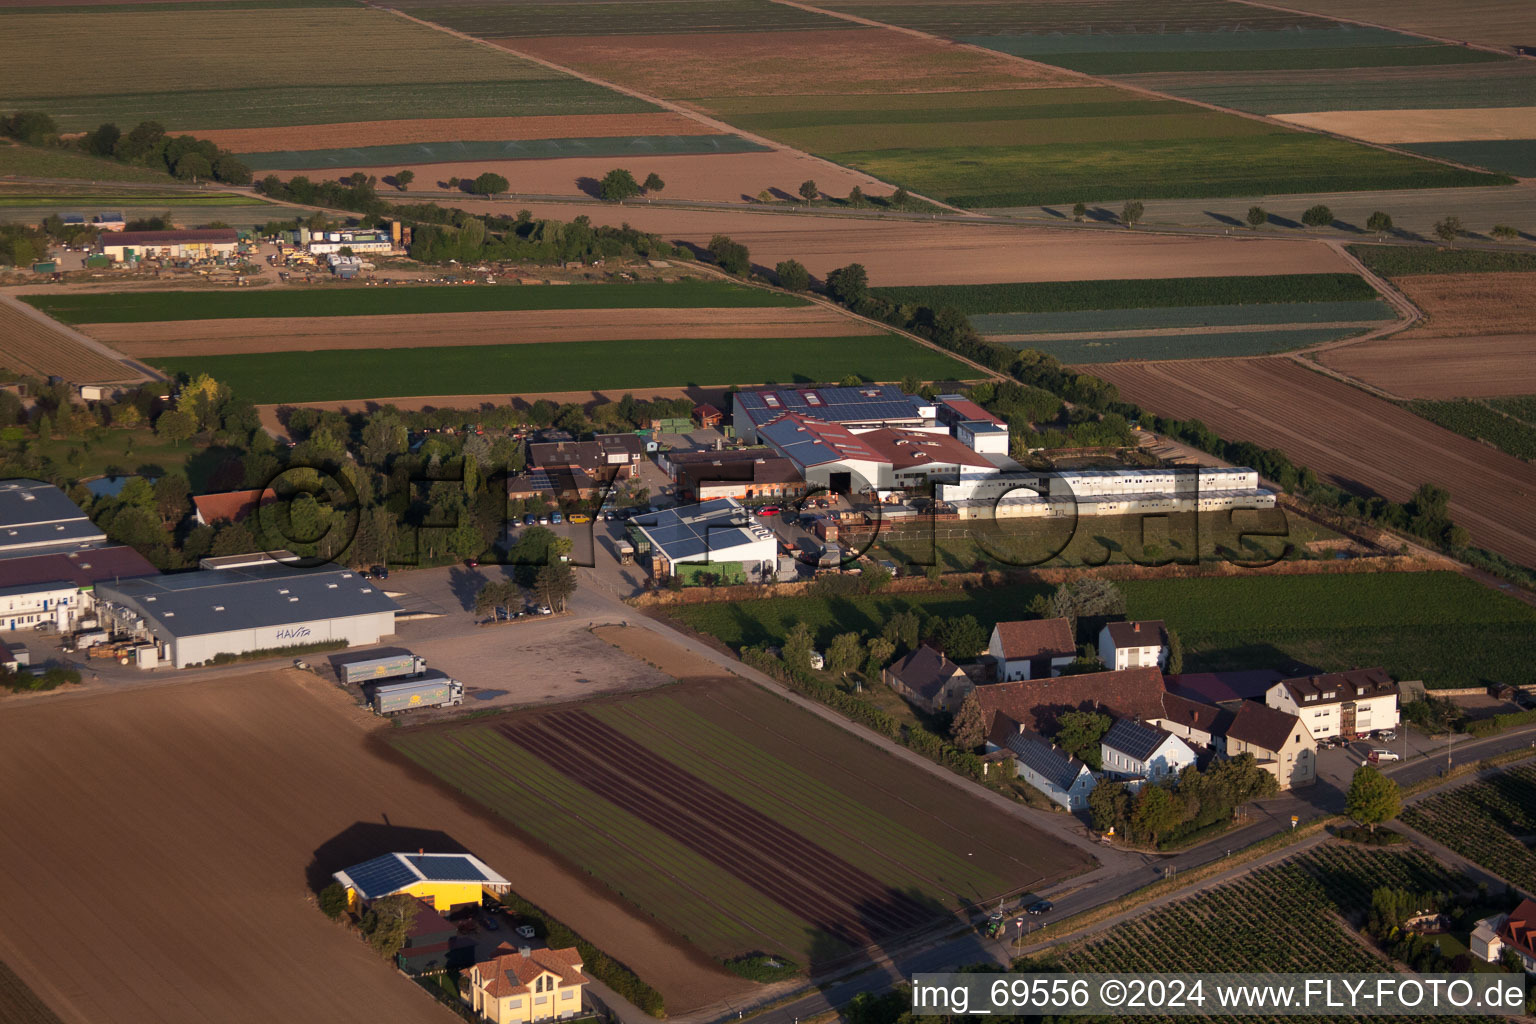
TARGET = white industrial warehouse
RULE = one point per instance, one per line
(194, 617)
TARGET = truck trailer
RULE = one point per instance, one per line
(393, 698)
(393, 667)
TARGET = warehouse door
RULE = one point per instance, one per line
(839, 483)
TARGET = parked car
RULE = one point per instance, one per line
(471, 563)
(530, 520)
(526, 931)
(491, 924)
(556, 518)
(1387, 734)
(579, 518)
(545, 609)
(543, 520)
(1380, 754)
(1040, 907)
(768, 510)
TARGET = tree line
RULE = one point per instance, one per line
(146, 144)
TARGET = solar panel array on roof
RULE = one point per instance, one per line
(872, 402)
(1135, 740)
(1047, 760)
(693, 530)
(444, 868)
(381, 876)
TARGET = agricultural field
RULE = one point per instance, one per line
(463, 129)
(1489, 822)
(630, 365)
(216, 763)
(1348, 437)
(19, 1004)
(1490, 22)
(1111, 347)
(1160, 318)
(1408, 260)
(1482, 422)
(31, 344)
(1262, 60)
(1440, 627)
(742, 822)
(493, 153)
(36, 162)
(1440, 368)
(143, 307)
(1146, 293)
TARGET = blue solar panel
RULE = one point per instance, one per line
(381, 876)
(447, 869)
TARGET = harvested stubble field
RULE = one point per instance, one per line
(869, 62)
(1494, 22)
(1441, 627)
(1352, 438)
(367, 53)
(962, 254)
(427, 330)
(710, 177)
(742, 821)
(336, 374)
(138, 307)
(465, 129)
(141, 793)
(1429, 367)
(34, 346)
(1458, 305)
(1450, 124)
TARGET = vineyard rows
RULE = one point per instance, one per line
(1488, 822)
(1280, 919)
(34, 347)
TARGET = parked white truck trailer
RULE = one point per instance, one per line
(437, 692)
(394, 666)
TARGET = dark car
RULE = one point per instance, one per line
(380, 572)
(1040, 907)
(530, 520)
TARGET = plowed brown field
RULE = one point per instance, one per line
(1352, 438)
(1467, 304)
(713, 177)
(156, 865)
(41, 347)
(852, 61)
(912, 252)
(287, 334)
(1415, 367)
(451, 129)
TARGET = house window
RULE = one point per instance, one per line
(515, 1004)
(568, 993)
(540, 1000)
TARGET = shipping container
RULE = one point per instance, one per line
(393, 698)
(392, 667)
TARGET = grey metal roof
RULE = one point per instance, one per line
(692, 530)
(395, 871)
(38, 514)
(1054, 764)
(869, 402)
(808, 442)
(248, 597)
(1134, 739)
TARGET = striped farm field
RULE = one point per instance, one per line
(615, 17)
(416, 154)
(1159, 318)
(1511, 156)
(138, 307)
(1098, 348)
(32, 345)
(740, 821)
(1136, 293)
(1502, 84)
(622, 365)
(1486, 822)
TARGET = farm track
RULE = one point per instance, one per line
(1359, 441)
(846, 902)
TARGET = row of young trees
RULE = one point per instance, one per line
(146, 144)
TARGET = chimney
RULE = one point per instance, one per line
(525, 951)
(1135, 627)
(421, 851)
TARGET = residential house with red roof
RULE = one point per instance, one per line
(525, 987)
(1133, 645)
(1035, 704)
(928, 680)
(230, 506)
(1348, 704)
(1512, 932)
(1031, 649)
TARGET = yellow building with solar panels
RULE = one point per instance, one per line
(445, 880)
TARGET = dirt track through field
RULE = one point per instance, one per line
(183, 824)
(422, 330)
(1419, 367)
(1350, 437)
(794, 872)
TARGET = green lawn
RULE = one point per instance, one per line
(331, 375)
(1440, 627)
(124, 452)
(1146, 293)
(139, 307)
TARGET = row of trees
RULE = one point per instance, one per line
(146, 144)
(1194, 800)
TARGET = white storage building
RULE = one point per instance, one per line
(196, 616)
(715, 532)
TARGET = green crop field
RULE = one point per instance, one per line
(216, 82)
(1270, 313)
(1406, 260)
(1485, 822)
(1299, 59)
(1510, 156)
(143, 307)
(526, 149)
(336, 374)
(1276, 162)
(1440, 627)
(1509, 84)
(1481, 422)
(38, 162)
(1144, 293)
(617, 17)
(1215, 345)
(1048, 45)
(1022, 18)
(119, 200)
(735, 811)
(1522, 407)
